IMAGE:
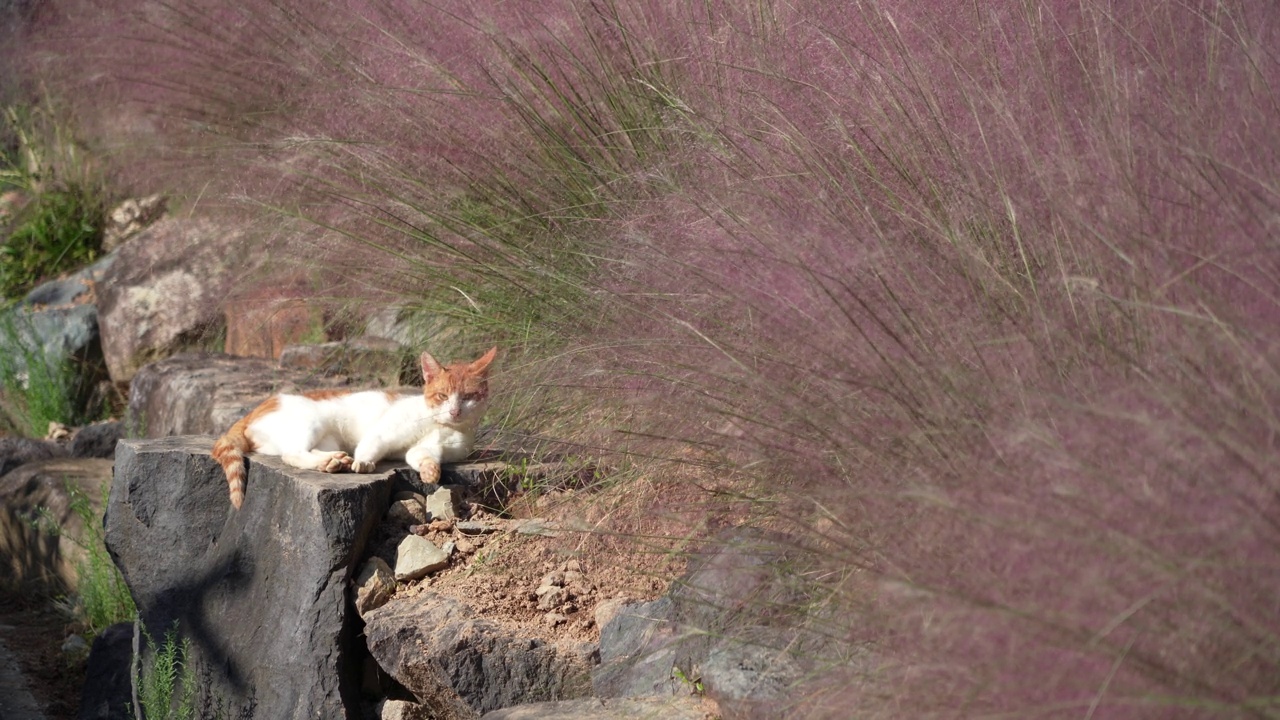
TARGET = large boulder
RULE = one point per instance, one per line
(40, 533)
(55, 323)
(107, 692)
(18, 451)
(460, 665)
(164, 291)
(97, 440)
(669, 707)
(261, 593)
(728, 625)
(201, 393)
(266, 319)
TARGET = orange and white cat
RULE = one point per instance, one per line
(341, 431)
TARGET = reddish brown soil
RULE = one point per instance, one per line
(628, 541)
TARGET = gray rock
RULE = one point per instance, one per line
(416, 557)
(552, 598)
(38, 558)
(129, 217)
(456, 662)
(55, 334)
(164, 290)
(415, 330)
(607, 610)
(443, 504)
(374, 586)
(18, 451)
(97, 440)
(472, 527)
(403, 710)
(75, 648)
(260, 592)
(713, 622)
(378, 360)
(74, 288)
(106, 693)
(755, 665)
(639, 647)
(403, 513)
(17, 703)
(637, 708)
(56, 322)
(194, 393)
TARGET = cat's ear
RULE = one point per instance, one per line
(481, 366)
(430, 368)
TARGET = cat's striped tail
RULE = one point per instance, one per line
(229, 451)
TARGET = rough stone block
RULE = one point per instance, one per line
(374, 586)
(163, 290)
(31, 558)
(267, 321)
(417, 557)
(459, 664)
(260, 592)
(194, 394)
(107, 687)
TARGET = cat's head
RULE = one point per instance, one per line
(457, 394)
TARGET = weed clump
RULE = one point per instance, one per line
(59, 226)
(167, 687)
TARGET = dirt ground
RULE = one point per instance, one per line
(33, 629)
(626, 542)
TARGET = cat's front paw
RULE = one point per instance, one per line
(429, 470)
(336, 463)
(362, 466)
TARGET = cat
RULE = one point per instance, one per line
(337, 431)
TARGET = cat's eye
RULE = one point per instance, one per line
(439, 397)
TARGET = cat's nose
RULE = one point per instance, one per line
(455, 413)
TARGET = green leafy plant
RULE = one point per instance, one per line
(39, 386)
(102, 598)
(58, 231)
(694, 683)
(60, 228)
(167, 678)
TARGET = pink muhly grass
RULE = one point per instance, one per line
(983, 296)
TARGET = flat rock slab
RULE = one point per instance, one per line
(647, 708)
(204, 393)
(261, 592)
(705, 626)
(460, 665)
(33, 558)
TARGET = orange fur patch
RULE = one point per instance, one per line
(229, 449)
(458, 378)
